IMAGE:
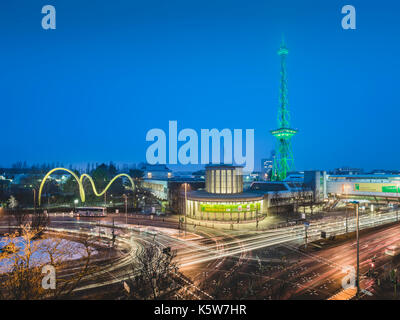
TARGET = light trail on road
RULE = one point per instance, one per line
(211, 245)
(192, 252)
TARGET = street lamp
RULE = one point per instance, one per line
(185, 185)
(34, 199)
(185, 207)
(126, 208)
(256, 217)
(397, 211)
(346, 188)
(358, 246)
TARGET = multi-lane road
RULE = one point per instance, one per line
(272, 257)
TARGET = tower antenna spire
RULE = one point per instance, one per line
(284, 161)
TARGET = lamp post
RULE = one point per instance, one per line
(346, 188)
(34, 199)
(358, 246)
(306, 225)
(256, 217)
(126, 208)
(397, 211)
(180, 222)
(185, 207)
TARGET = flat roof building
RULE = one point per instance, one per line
(366, 186)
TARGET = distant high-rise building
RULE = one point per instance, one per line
(266, 168)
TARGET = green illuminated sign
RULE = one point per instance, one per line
(376, 187)
(240, 207)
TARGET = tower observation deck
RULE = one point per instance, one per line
(283, 162)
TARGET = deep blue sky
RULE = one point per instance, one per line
(112, 70)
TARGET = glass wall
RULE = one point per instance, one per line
(224, 180)
(217, 181)
(229, 181)
(208, 188)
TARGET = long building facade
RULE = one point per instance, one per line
(368, 186)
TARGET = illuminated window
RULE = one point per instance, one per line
(208, 181)
(212, 179)
(234, 182)
(223, 181)
(217, 181)
(229, 181)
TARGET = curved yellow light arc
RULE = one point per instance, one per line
(79, 180)
(109, 184)
(81, 191)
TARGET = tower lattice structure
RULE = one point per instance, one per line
(283, 161)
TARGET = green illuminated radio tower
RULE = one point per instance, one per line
(283, 162)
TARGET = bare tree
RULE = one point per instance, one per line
(59, 253)
(23, 279)
(304, 197)
(24, 257)
(276, 201)
(308, 199)
(21, 218)
(312, 203)
(40, 221)
(296, 196)
(154, 273)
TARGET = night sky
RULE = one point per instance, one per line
(112, 70)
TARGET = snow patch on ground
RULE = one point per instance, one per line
(63, 250)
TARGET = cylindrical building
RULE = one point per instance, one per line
(224, 179)
(224, 200)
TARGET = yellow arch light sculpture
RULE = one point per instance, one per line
(109, 184)
(80, 180)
